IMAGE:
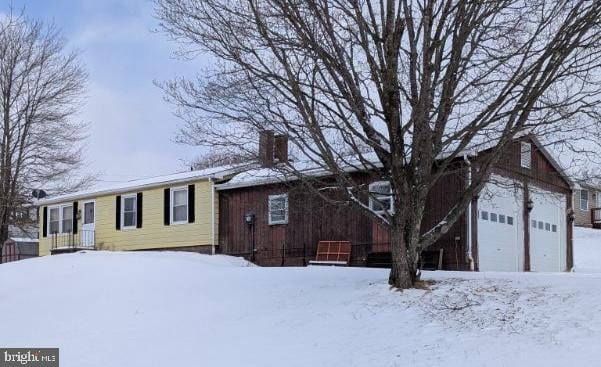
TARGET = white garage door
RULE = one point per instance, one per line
(547, 231)
(500, 226)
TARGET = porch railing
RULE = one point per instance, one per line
(83, 239)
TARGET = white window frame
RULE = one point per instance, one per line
(172, 205)
(130, 196)
(276, 197)
(526, 149)
(585, 207)
(373, 194)
(60, 217)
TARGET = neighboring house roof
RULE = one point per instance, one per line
(584, 184)
(147, 183)
(264, 176)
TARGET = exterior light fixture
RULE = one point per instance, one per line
(529, 205)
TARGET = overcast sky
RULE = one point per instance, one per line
(132, 129)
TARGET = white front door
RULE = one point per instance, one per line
(547, 230)
(500, 226)
(88, 227)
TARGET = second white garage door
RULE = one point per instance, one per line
(500, 226)
(547, 231)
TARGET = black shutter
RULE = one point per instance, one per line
(139, 210)
(45, 222)
(167, 207)
(74, 219)
(118, 212)
(191, 210)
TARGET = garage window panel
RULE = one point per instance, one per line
(510, 220)
(533, 223)
(501, 218)
(547, 226)
(484, 215)
(554, 228)
(493, 217)
(540, 225)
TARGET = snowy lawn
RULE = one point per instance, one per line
(176, 309)
(587, 250)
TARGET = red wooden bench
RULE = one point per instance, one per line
(332, 253)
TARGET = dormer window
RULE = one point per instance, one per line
(526, 155)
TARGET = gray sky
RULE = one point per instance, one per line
(132, 129)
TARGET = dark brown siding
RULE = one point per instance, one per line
(443, 196)
(311, 220)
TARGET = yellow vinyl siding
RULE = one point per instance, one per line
(153, 234)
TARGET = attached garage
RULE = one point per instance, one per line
(523, 220)
(500, 226)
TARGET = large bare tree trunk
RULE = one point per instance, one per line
(403, 273)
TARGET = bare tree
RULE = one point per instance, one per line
(417, 81)
(218, 158)
(41, 88)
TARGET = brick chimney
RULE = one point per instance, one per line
(280, 148)
(272, 148)
(266, 148)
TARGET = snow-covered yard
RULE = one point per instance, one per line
(176, 309)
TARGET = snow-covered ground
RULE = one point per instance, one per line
(587, 250)
(177, 309)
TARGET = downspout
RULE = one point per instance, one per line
(212, 183)
(470, 258)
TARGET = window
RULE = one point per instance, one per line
(128, 211)
(510, 220)
(533, 224)
(547, 226)
(540, 225)
(60, 219)
(493, 217)
(484, 215)
(179, 205)
(380, 200)
(554, 228)
(54, 220)
(278, 209)
(583, 200)
(67, 219)
(526, 155)
(501, 218)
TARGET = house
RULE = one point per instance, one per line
(173, 212)
(521, 221)
(587, 205)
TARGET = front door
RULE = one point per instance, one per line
(88, 228)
